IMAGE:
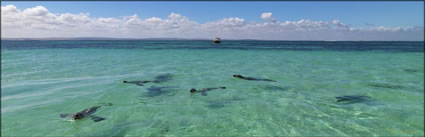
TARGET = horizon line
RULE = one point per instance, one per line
(169, 39)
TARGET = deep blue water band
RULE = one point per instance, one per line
(406, 46)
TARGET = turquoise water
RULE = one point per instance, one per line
(41, 80)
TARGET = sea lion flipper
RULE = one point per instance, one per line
(139, 84)
(65, 115)
(96, 118)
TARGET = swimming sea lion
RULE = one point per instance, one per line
(411, 70)
(204, 90)
(352, 99)
(139, 83)
(250, 78)
(381, 85)
(87, 113)
(158, 79)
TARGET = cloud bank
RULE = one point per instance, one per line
(38, 22)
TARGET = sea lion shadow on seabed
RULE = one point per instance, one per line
(163, 78)
(274, 88)
(119, 129)
(154, 91)
(221, 103)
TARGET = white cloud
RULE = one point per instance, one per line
(340, 25)
(174, 16)
(395, 29)
(267, 15)
(36, 11)
(227, 22)
(39, 22)
(9, 9)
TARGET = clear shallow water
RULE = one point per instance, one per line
(42, 79)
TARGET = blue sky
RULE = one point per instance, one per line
(206, 19)
(391, 14)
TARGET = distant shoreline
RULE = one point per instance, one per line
(183, 39)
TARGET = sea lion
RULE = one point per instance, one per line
(158, 79)
(381, 85)
(411, 70)
(250, 78)
(352, 99)
(139, 83)
(87, 113)
(204, 90)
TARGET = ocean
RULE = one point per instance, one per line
(322, 88)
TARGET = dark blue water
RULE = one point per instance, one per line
(405, 46)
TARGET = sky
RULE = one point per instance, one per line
(206, 19)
